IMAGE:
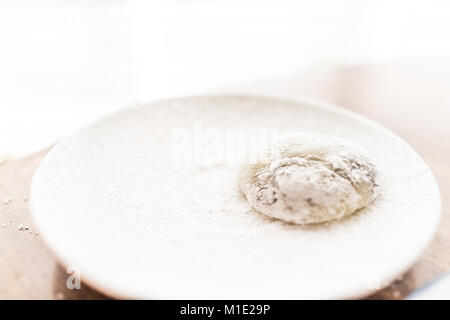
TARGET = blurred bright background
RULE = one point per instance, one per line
(64, 63)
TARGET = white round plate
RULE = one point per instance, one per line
(118, 201)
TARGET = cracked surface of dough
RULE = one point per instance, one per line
(310, 179)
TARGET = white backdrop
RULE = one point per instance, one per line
(64, 63)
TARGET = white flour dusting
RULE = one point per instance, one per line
(177, 230)
(310, 179)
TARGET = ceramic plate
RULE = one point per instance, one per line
(144, 204)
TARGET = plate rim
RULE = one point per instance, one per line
(114, 292)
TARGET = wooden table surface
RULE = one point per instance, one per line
(410, 98)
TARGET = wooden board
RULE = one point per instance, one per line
(412, 100)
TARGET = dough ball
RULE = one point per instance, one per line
(309, 179)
